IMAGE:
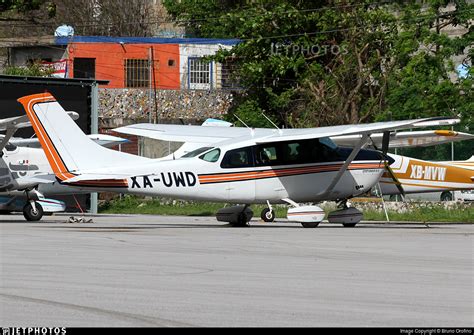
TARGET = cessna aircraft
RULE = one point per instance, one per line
(261, 166)
(23, 166)
(404, 176)
(410, 175)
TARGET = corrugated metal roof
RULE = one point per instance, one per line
(142, 40)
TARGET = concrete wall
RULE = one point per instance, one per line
(19, 56)
(187, 51)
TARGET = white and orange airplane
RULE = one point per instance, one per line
(405, 175)
(260, 166)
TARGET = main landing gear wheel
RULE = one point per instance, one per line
(309, 224)
(349, 225)
(446, 196)
(267, 215)
(241, 221)
(32, 214)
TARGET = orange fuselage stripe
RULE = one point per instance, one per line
(241, 176)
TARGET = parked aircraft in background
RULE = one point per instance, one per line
(260, 166)
(24, 171)
(419, 176)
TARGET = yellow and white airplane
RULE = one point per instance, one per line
(420, 176)
(260, 166)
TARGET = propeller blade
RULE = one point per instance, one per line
(385, 141)
(395, 179)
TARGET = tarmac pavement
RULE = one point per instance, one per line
(159, 271)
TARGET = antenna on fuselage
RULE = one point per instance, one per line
(274, 125)
(238, 118)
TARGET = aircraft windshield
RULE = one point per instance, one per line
(197, 152)
(211, 156)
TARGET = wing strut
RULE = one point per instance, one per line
(344, 167)
(8, 135)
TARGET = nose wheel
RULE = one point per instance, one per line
(32, 211)
(267, 215)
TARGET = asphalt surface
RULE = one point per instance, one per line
(192, 271)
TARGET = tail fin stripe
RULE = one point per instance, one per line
(52, 154)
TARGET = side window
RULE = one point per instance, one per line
(323, 153)
(211, 156)
(266, 155)
(292, 153)
(237, 158)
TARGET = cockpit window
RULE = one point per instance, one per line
(238, 158)
(211, 156)
(296, 152)
(196, 152)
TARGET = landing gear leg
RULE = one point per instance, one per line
(268, 214)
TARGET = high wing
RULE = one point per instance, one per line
(345, 135)
(18, 122)
(12, 124)
(101, 139)
(185, 133)
(407, 139)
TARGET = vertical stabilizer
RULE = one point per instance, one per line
(69, 151)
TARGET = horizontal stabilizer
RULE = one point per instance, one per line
(25, 182)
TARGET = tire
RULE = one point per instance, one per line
(267, 215)
(31, 215)
(446, 196)
(349, 225)
(309, 224)
(242, 221)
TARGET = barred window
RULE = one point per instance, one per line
(137, 73)
(228, 75)
(199, 73)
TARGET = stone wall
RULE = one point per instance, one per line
(122, 107)
(119, 107)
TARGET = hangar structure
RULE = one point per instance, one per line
(78, 95)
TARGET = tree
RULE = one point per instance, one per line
(310, 63)
(110, 17)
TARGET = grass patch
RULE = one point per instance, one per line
(419, 212)
(424, 215)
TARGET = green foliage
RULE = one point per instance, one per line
(34, 70)
(137, 205)
(310, 63)
(25, 6)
